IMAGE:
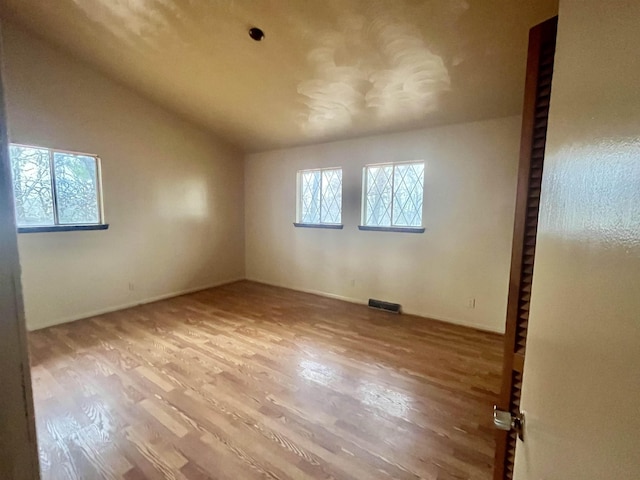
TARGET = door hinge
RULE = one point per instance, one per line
(506, 421)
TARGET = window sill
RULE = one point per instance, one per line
(62, 228)
(393, 229)
(331, 226)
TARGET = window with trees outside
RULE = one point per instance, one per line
(320, 198)
(55, 189)
(393, 196)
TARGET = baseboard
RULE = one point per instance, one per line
(135, 303)
(320, 293)
(358, 301)
(306, 290)
(462, 323)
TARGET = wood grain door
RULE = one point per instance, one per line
(542, 44)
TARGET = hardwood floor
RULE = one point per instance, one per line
(247, 381)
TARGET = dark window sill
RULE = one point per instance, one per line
(393, 229)
(332, 226)
(62, 228)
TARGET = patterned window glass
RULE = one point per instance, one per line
(320, 196)
(394, 195)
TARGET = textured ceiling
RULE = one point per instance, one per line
(327, 69)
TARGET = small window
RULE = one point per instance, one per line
(320, 198)
(393, 194)
(54, 188)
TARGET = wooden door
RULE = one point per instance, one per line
(542, 44)
(18, 452)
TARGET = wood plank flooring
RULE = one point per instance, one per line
(248, 381)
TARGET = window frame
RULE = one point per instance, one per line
(57, 226)
(391, 227)
(321, 224)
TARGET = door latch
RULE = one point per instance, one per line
(507, 422)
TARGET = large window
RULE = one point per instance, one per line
(320, 197)
(393, 195)
(54, 188)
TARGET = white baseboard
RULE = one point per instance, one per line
(157, 298)
(360, 301)
(124, 306)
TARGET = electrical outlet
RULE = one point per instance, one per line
(353, 283)
(471, 302)
(132, 287)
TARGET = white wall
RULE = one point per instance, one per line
(173, 195)
(470, 182)
(581, 389)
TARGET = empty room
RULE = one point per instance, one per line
(299, 240)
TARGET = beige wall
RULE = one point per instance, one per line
(582, 374)
(173, 194)
(18, 445)
(470, 179)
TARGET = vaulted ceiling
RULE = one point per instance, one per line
(326, 69)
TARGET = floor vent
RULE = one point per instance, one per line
(386, 306)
